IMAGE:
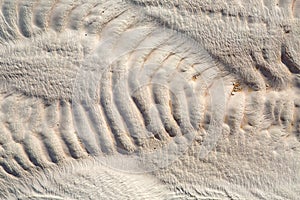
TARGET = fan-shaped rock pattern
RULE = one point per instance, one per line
(147, 78)
(98, 84)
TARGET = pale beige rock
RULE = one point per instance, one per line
(149, 99)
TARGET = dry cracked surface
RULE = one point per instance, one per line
(150, 99)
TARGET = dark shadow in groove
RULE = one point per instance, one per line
(288, 61)
(172, 131)
(10, 170)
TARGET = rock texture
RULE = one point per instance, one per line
(143, 99)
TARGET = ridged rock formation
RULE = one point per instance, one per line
(143, 99)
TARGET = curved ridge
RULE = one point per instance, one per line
(249, 40)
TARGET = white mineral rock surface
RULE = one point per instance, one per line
(150, 99)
